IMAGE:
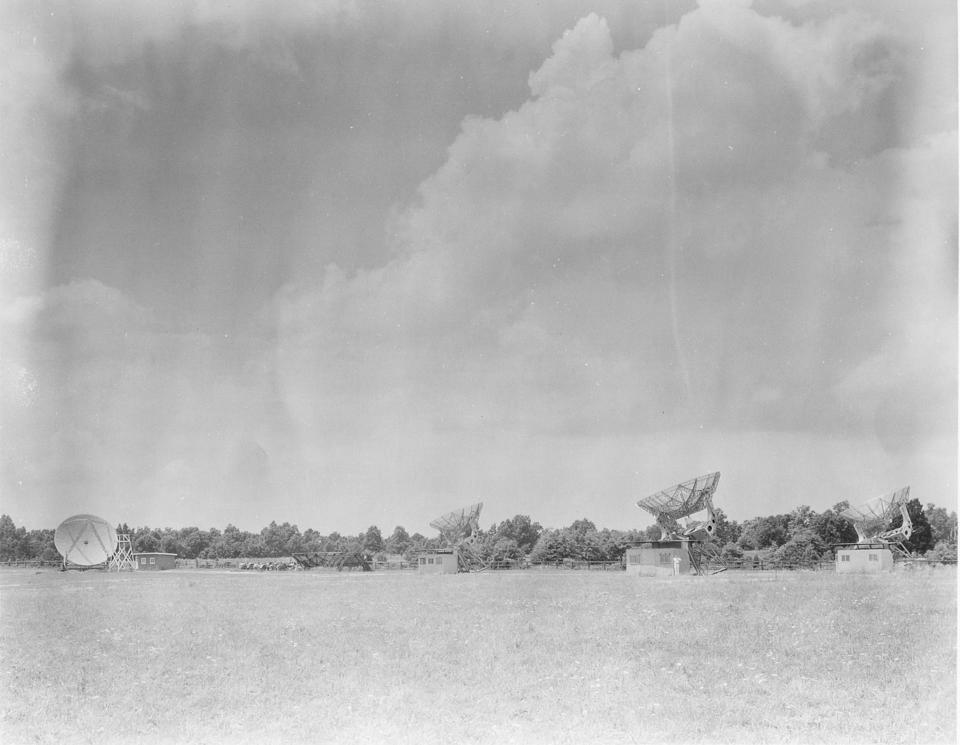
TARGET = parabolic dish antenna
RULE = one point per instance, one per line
(85, 540)
(880, 509)
(871, 520)
(683, 499)
(460, 524)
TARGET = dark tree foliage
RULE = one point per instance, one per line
(148, 541)
(13, 540)
(372, 540)
(765, 532)
(728, 531)
(521, 529)
(803, 548)
(832, 528)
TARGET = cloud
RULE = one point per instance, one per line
(669, 253)
(536, 280)
(110, 407)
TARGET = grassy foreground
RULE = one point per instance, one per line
(193, 656)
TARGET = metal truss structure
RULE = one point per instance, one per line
(338, 560)
(872, 519)
(705, 557)
(123, 557)
(669, 506)
(458, 530)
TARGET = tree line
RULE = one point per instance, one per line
(798, 537)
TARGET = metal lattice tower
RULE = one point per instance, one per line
(123, 556)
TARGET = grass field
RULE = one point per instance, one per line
(194, 656)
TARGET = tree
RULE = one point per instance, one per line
(170, 544)
(522, 530)
(372, 540)
(232, 543)
(192, 542)
(802, 518)
(731, 552)
(582, 527)
(803, 548)
(11, 539)
(147, 542)
(943, 525)
(505, 549)
(764, 532)
(312, 541)
(549, 548)
(727, 531)
(651, 533)
(398, 542)
(946, 552)
(921, 540)
(832, 528)
(280, 540)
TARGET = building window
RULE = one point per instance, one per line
(423, 560)
(634, 558)
(143, 559)
(153, 559)
(874, 557)
(845, 557)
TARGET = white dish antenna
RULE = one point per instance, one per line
(85, 540)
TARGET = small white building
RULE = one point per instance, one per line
(658, 559)
(863, 558)
(437, 562)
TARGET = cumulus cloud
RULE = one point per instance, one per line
(532, 274)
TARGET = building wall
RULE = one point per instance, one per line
(658, 559)
(864, 560)
(437, 563)
(155, 561)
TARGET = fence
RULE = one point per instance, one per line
(30, 563)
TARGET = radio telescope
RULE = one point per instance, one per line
(872, 518)
(457, 532)
(668, 506)
(85, 541)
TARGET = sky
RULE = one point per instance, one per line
(347, 264)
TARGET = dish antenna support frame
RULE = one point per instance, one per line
(123, 557)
